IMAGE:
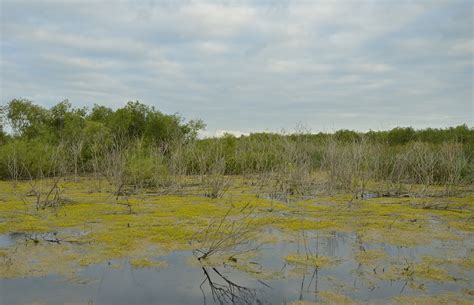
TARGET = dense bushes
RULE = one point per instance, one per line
(351, 165)
(21, 159)
(82, 136)
(140, 146)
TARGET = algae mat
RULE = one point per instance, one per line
(96, 248)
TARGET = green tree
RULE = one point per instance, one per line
(130, 120)
(345, 135)
(400, 135)
(192, 128)
(100, 114)
(27, 119)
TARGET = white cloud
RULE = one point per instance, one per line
(465, 46)
(212, 47)
(247, 65)
(220, 133)
(216, 19)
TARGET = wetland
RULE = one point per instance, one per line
(241, 248)
(130, 206)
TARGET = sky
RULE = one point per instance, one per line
(248, 66)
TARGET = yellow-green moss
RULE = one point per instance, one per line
(118, 229)
(310, 260)
(329, 297)
(426, 269)
(371, 256)
(445, 299)
(140, 263)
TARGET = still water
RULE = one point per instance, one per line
(184, 282)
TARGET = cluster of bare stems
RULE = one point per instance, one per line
(113, 166)
(280, 166)
(292, 175)
(421, 165)
(14, 167)
(351, 165)
(209, 165)
(227, 236)
(47, 192)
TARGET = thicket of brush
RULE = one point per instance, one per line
(137, 146)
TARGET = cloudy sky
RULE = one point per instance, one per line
(248, 65)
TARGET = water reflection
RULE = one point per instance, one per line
(225, 291)
(184, 283)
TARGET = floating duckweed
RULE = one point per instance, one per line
(120, 229)
(371, 256)
(422, 270)
(330, 297)
(141, 263)
(310, 260)
(432, 300)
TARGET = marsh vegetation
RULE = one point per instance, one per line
(132, 198)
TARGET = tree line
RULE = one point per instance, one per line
(138, 144)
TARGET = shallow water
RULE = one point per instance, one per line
(182, 282)
(327, 249)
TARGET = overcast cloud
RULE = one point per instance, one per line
(248, 66)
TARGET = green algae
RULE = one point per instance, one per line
(442, 299)
(150, 224)
(418, 271)
(140, 263)
(371, 256)
(327, 297)
(310, 260)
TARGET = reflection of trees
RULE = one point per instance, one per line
(314, 275)
(226, 291)
(313, 279)
(227, 238)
